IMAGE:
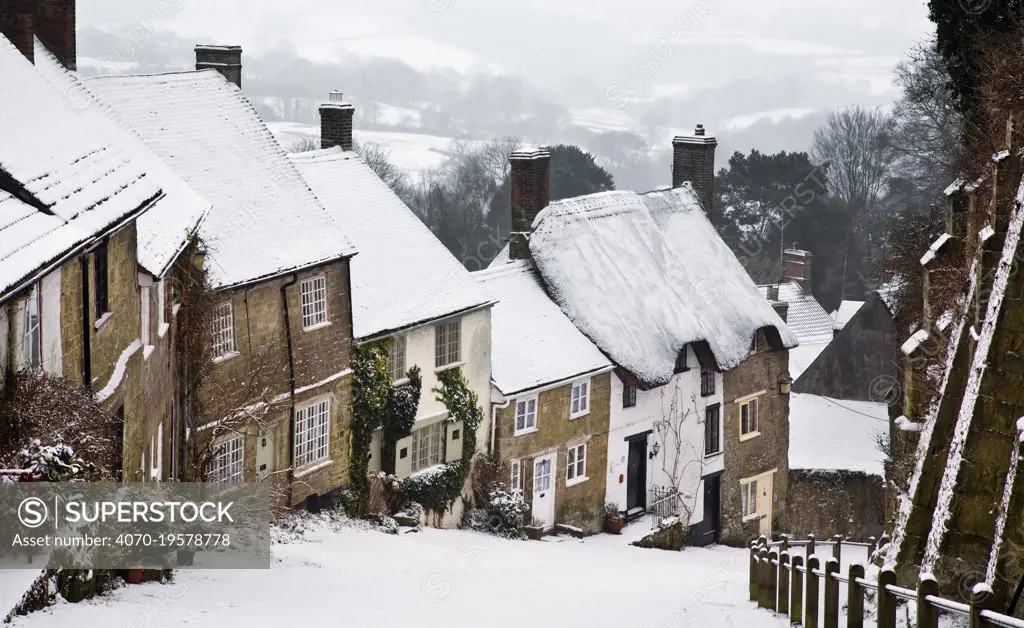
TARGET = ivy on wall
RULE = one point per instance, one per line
(371, 386)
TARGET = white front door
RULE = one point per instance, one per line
(543, 509)
(765, 496)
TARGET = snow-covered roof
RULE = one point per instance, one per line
(806, 318)
(643, 275)
(802, 357)
(845, 312)
(836, 435)
(403, 275)
(533, 343)
(163, 230)
(65, 182)
(265, 220)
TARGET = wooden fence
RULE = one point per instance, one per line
(782, 582)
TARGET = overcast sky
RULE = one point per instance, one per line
(666, 45)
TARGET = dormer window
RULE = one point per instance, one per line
(681, 361)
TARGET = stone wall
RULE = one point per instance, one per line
(582, 504)
(827, 503)
(760, 454)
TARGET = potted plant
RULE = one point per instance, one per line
(133, 576)
(613, 520)
(535, 530)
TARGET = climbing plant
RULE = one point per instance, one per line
(371, 387)
(437, 490)
(399, 416)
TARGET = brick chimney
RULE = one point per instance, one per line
(773, 292)
(796, 266)
(17, 23)
(782, 309)
(225, 59)
(693, 160)
(55, 27)
(336, 122)
(531, 192)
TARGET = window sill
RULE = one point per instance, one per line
(225, 357)
(428, 470)
(578, 415)
(400, 381)
(316, 466)
(530, 430)
(745, 437)
(175, 308)
(575, 481)
(752, 517)
(147, 351)
(713, 455)
(318, 326)
(453, 365)
(161, 331)
(102, 320)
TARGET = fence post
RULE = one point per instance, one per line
(981, 600)
(753, 571)
(927, 615)
(837, 548)
(872, 546)
(762, 541)
(762, 579)
(796, 593)
(855, 598)
(810, 546)
(784, 547)
(773, 580)
(784, 569)
(831, 594)
(811, 608)
(886, 600)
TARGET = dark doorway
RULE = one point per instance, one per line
(636, 476)
(712, 509)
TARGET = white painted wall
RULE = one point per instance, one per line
(53, 360)
(652, 406)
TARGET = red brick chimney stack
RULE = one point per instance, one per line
(17, 23)
(336, 122)
(693, 160)
(55, 27)
(225, 59)
(796, 266)
(531, 192)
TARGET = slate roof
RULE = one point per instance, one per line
(845, 312)
(643, 275)
(265, 221)
(836, 435)
(808, 320)
(163, 230)
(403, 275)
(533, 343)
(64, 182)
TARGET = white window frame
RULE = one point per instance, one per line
(515, 476)
(427, 447)
(313, 301)
(161, 308)
(748, 499)
(745, 405)
(576, 464)
(721, 444)
(32, 333)
(228, 464)
(156, 461)
(312, 435)
(579, 399)
(528, 425)
(144, 314)
(223, 329)
(397, 353)
(537, 476)
(448, 343)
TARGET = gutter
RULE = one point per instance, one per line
(494, 421)
(385, 333)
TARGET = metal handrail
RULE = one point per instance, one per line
(964, 610)
(904, 594)
(840, 577)
(1002, 621)
(867, 584)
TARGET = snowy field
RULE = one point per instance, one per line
(437, 578)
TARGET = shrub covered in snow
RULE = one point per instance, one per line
(506, 514)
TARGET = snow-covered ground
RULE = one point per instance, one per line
(357, 577)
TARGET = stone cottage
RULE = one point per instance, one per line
(85, 293)
(279, 268)
(406, 287)
(647, 279)
(551, 399)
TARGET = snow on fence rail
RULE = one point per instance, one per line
(783, 583)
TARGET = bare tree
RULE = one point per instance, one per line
(378, 158)
(683, 460)
(305, 144)
(856, 144)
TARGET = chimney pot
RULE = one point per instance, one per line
(225, 59)
(773, 292)
(336, 122)
(530, 182)
(693, 160)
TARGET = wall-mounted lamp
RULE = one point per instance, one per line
(785, 382)
(654, 450)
